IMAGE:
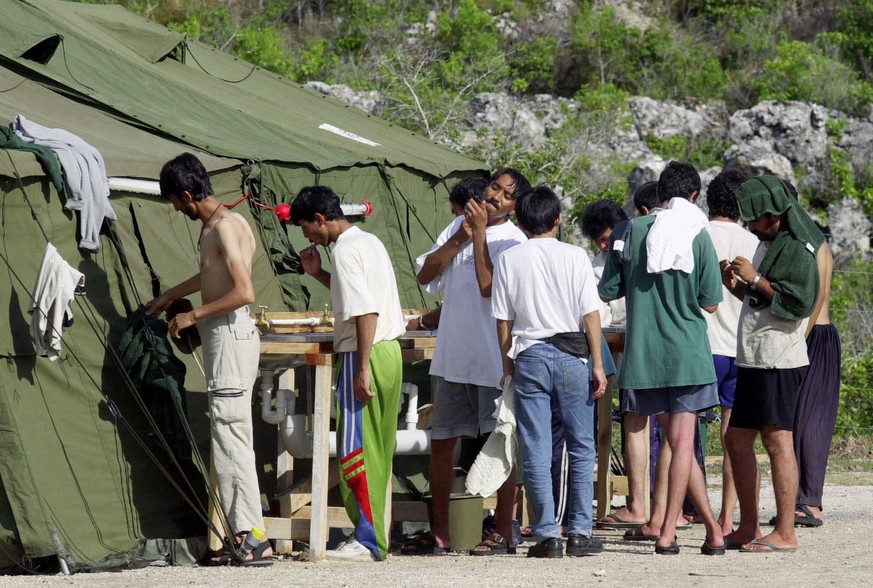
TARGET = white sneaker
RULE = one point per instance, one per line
(350, 550)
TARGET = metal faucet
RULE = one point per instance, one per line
(262, 323)
(326, 318)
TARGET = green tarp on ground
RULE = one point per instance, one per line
(75, 480)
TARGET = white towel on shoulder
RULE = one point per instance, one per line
(84, 176)
(494, 463)
(668, 244)
(50, 307)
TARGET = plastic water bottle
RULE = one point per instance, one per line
(253, 539)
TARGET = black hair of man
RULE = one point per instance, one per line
(472, 188)
(315, 199)
(678, 180)
(538, 210)
(647, 195)
(522, 185)
(601, 215)
(721, 198)
(185, 173)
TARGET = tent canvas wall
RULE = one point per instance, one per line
(74, 480)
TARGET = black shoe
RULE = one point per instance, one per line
(582, 545)
(552, 547)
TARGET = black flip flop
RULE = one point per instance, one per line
(258, 560)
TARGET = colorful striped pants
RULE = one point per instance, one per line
(366, 435)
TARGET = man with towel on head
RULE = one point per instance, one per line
(779, 288)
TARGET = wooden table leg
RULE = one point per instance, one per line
(603, 488)
(320, 457)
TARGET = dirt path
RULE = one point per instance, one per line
(835, 554)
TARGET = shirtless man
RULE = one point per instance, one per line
(231, 345)
(818, 399)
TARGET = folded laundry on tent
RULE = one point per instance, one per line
(85, 172)
(55, 287)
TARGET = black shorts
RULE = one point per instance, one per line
(766, 397)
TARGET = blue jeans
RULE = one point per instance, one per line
(545, 376)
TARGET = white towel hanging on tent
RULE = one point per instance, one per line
(54, 289)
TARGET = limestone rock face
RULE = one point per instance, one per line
(791, 140)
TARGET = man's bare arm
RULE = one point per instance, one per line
(437, 261)
(504, 339)
(594, 334)
(365, 331)
(161, 303)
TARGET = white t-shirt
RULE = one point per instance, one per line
(730, 240)
(362, 282)
(466, 346)
(612, 313)
(545, 287)
(765, 340)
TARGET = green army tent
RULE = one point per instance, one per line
(81, 474)
(159, 79)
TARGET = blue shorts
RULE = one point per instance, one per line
(726, 378)
(672, 399)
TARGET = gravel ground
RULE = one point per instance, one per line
(835, 554)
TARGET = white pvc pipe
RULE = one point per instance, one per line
(154, 188)
(315, 321)
(298, 441)
(135, 186)
(276, 415)
(312, 321)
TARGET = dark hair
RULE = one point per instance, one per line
(599, 216)
(721, 195)
(185, 173)
(522, 185)
(678, 180)
(315, 199)
(468, 189)
(647, 195)
(538, 210)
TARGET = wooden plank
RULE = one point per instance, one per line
(320, 451)
(285, 465)
(289, 347)
(300, 494)
(603, 486)
(336, 517)
(620, 486)
(286, 529)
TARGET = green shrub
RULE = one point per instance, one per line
(533, 66)
(812, 73)
(263, 47)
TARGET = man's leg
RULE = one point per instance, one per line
(679, 432)
(728, 490)
(779, 444)
(658, 511)
(697, 494)
(441, 477)
(533, 412)
(740, 444)
(636, 454)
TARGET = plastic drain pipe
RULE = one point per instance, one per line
(297, 437)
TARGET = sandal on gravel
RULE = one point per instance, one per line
(217, 559)
(423, 544)
(496, 544)
(258, 559)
